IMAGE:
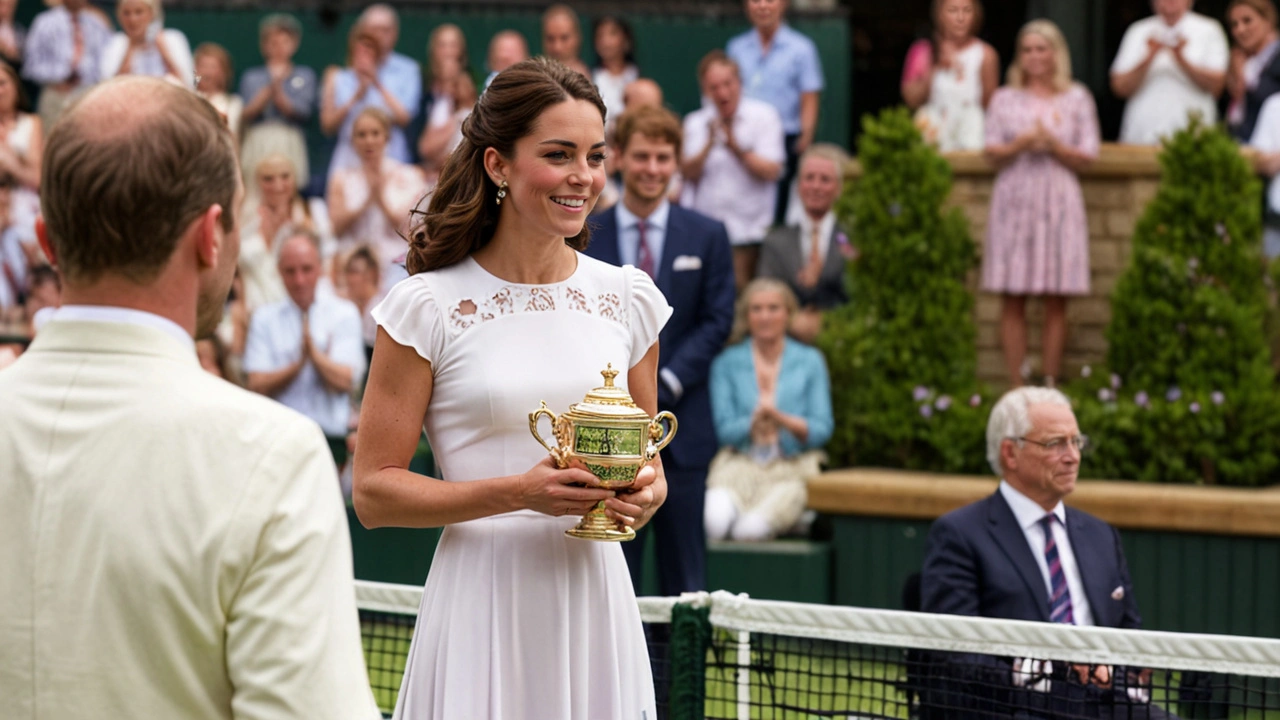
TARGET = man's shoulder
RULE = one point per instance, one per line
(969, 516)
(758, 110)
(337, 307)
(741, 42)
(694, 222)
(1086, 521)
(797, 39)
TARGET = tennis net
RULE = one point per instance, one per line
(728, 657)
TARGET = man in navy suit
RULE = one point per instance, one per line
(689, 257)
(1021, 554)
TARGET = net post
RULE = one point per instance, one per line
(690, 639)
(744, 675)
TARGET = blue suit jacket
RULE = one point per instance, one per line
(702, 300)
(977, 562)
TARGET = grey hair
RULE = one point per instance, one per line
(1011, 417)
(827, 151)
(283, 22)
(379, 8)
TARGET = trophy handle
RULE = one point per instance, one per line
(533, 428)
(658, 438)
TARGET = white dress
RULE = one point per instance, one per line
(518, 620)
(954, 111)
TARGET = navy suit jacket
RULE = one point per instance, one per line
(702, 300)
(977, 562)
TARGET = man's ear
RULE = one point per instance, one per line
(42, 235)
(1008, 456)
(209, 235)
(495, 166)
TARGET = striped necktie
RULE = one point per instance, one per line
(1060, 600)
(645, 255)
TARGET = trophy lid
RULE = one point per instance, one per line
(609, 401)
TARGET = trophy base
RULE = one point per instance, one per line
(597, 526)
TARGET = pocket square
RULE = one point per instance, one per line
(1118, 593)
(686, 262)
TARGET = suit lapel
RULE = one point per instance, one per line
(671, 248)
(1009, 536)
(1089, 559)
(836, 260)
(794, 258)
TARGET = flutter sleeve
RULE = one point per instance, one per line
(648, 310)
(411, 316)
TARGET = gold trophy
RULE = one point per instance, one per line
(611, 436)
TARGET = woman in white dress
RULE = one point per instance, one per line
(950, 79)
(21, 145)
(501, 312)
(370, 204)
(145, 47)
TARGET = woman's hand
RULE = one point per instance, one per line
(636, 506)
(553, 491)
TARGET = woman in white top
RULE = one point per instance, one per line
(1169, 66)
(616, 68)
(950, 79)
(145, 47)
(214, 70)
(453, 94)
(371, 203)
(21, 145)
(502, 312)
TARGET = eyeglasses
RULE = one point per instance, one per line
(1059, 445)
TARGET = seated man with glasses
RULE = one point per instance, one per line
(1021, 554)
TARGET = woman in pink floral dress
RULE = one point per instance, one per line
(1042, 128)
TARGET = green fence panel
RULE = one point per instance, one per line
(1184, 582)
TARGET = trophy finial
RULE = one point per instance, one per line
(609, 374)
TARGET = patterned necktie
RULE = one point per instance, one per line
(1060, 601)
(645, 257)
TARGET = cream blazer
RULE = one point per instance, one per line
(170, 546)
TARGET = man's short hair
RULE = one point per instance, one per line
(1011, 418)
(652, 122)
(716, 57)
(282, 22)
(117, 196)
(303, 233)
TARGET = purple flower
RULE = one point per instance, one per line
(895, 209)
(1217, 397)
(975, 401)
(842, 239)
(926, 410)
(1106, 395)
(1173, 395)
(920, 393)
(1194, 407)
(943, 403)
(1086, 371)
(1142, 400)
(1115, 381)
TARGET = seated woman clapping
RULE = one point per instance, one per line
(771, 401)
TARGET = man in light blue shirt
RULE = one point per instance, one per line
(307, 352)
(781, 67)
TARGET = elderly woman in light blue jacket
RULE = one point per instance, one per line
(771, 400)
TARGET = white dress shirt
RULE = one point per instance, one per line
(1028, 514)
(1162, 103)
(727, 191)
(275, 341)
(826, 226)
(128, 316)
(655, 234)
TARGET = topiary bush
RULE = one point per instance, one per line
(901, 353)
(1189, 395)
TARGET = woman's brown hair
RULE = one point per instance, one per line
(1266, 9)
(462, 212)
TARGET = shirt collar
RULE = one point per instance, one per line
(825, 225)
(1026, 510)
(657, 219)
(127, 316)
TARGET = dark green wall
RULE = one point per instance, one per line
(667, 48)
(1184, 582)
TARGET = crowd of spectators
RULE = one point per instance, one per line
(747, 158)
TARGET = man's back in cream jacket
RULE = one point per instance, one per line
(170, 546)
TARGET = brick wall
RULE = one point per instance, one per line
(1117, 188)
